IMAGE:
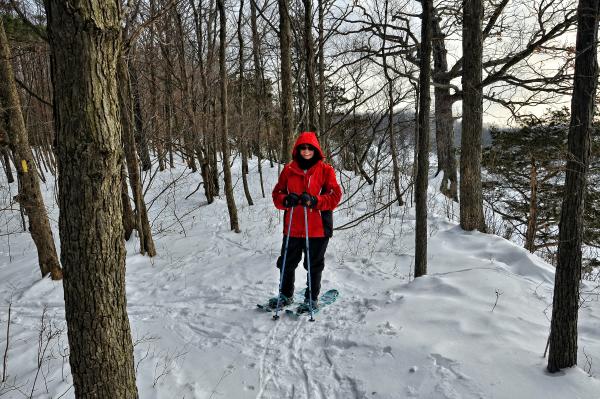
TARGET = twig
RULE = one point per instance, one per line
(7, 342)
(498, 293)
(588, 363)
(226, 373)
(193, 192)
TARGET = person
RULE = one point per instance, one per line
(306, 182)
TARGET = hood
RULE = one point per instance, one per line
(308, 138)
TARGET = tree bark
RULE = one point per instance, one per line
(200, 146)
(157, 136)
(241, 131)
(142, 225)
(287, 113)
(471, 197)
(30, 195)
(423, 155)
(85, 41)
(392, 138)
(322, 82)
(310, 67)
(4, 156)
(563, 329)
(444, 130)
(141, 135)
(128, 216)
(7, 167)
(231, 207)
(259, 89)
(189, 128)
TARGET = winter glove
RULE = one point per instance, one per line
(308, 200)
(291, 200)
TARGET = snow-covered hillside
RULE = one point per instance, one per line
(474, 327)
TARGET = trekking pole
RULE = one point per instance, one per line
(308, 262)
(287, 241)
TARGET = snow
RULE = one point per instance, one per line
(475, 327)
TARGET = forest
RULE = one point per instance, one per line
(148, 152)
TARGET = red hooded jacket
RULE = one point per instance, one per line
(319, 181)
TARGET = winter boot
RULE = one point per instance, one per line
(305, 307)
(283, 301)
(315, 303)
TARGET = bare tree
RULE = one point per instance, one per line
(321, 68)
(287, 113)
(259, 90)
(444, 130)
(242, 136)
(563, 329)
(142, 225)
(231, 207)
(85, 40)
(391, 103)
(311, 90)
(30, 195)
(423, 126)
(471, 197)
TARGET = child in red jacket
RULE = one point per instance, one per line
(308, 182)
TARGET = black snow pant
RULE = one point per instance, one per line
(297, 247)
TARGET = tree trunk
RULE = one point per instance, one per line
(6, 163)
(241, 131)
(213, 144)
(128, 216)
(563, 329)
(157, 137)
(444, 129)
(231, 207)
(169, 115)
(423, 156)
(259, 89)
(200, 147)
(532, 217)
(390, 81)
(30, 195)
(321, 69)
(142, 225)
(310, 66)
(4, 156)
(141, 135)
(287, 113)
(85, 48)
(189, 128)
(471, 197)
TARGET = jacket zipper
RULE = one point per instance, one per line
(308, 185)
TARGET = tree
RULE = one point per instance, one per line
(241, 131)
(444, 131)
(391, 103)
(525, 169)
(471, 199)
(128, 127)
(231, 207)
(563, 328)
(259, 89)
(85, 40)
(30, 195)
(423, 142)
(287, 112)
(311, 92)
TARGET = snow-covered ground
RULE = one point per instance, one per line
(474, 327)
